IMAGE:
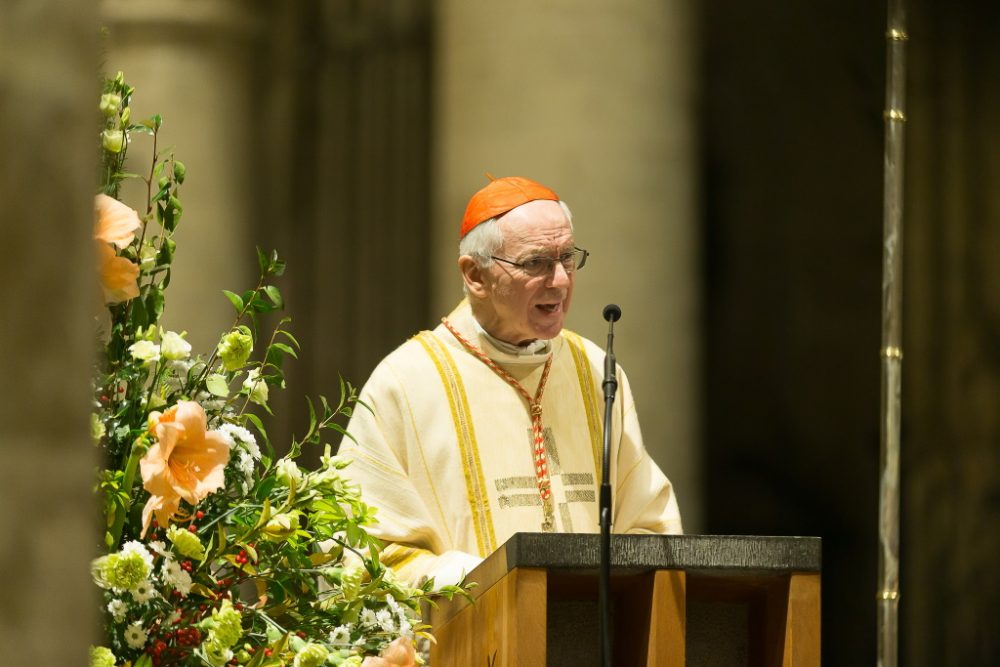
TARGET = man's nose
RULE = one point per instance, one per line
(560, 277)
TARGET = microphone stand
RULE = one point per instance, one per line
(611, 314)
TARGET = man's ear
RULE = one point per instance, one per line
(474, 276)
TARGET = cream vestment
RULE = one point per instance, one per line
(446, 454)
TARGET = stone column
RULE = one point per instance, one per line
(597, 100)
(49, 522)
(190, 62)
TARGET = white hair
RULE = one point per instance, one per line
(484, 240)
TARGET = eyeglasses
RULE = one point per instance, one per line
(543, 266)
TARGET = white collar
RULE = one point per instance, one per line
(533, 348)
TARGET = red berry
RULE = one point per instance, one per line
(193, 528)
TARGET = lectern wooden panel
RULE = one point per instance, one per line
(677, 600)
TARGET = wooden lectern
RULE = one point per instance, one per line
(677, 600)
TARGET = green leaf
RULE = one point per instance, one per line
(274, 295)
(166, 214)
(154, 304)
(290, 337)
(255, 420)
(217, 385)
(274, 265)
(274, 360)
(166, 254)
(163, 192)
(138, 318)
(260, 306)
(262, 261)
(287, 349)
(235, 300)
(180, 171)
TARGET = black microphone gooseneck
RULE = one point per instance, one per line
(611, 314)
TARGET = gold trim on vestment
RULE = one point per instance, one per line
(398, 556)
(589, 395)
(465, 434)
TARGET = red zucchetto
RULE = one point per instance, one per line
(500, 196)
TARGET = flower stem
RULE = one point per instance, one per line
(138, 451)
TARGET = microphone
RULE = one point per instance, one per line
(611, 314)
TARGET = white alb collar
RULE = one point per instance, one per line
(533, 348)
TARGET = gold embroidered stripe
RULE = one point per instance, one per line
(397, 556)
(465, 433)
(588, 393)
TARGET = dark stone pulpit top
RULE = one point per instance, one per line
(718, 554)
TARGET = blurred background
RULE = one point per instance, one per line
(724, 162)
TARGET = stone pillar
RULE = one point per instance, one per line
(597, 100)
(951, 337)
(48, 137)
(190, 62)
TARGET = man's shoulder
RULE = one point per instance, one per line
(412, 355)
(411, 347)
(583, 345)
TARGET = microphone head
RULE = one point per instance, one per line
(612, 312)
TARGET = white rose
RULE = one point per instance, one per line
(145, 351)
(174, 347)
(287, 472)
(256, 387)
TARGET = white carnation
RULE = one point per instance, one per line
(136, 547)
(118, 609)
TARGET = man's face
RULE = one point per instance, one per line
(526, 307)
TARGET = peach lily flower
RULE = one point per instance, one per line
(399, 653)
(115, 223)
(187, 462)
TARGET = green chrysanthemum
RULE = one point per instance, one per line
(225, 626)
(311, 655)
(235, 348)
(217, 654)
(101, 656)
(186, 542)
(351, 580)
(124, 571)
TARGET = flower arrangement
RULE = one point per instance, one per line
(218, 551)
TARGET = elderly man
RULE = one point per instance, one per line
(491, 423)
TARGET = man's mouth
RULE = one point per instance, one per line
(550, 307)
